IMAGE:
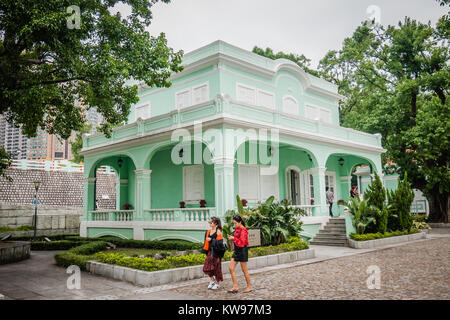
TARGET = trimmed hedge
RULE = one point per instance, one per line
(52, 237)
(79, 255)
(378, 235)
(151, 264)
(146, 244)
(55, 245)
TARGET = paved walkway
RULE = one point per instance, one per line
(415, 270)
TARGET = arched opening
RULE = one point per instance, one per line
(263, 169)
(182, 173)
(347, 170)
(114, 179)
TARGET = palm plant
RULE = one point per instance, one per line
(277, 221)
(361, 214)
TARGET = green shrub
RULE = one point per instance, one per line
(52, 237)
(67, 258)
(400, 202)
(378, 235)
(55, 245)
(151, 264)
(277, 221)
(179, 245)
(21, 228)
(79, 255)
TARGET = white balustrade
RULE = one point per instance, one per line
(307, 208)
(112, 215)
(189, 214)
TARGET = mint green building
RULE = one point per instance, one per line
(232, 122)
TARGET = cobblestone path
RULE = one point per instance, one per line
(419, 270)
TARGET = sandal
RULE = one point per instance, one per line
(247, 291)
(233, 291)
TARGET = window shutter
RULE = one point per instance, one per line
(143, 111)
(269, 186)
(290, 106)
(193, 183)
(245, 94)
(312, 113)
(200, 94)
(248, 182)
(325, 115)
(266, 99)
(183, 99)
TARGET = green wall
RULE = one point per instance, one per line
(167, 181)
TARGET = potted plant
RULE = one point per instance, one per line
(244, 202)
(182, 204)
(312, 201)
(202, 203)
(127, 206)
(341, 202)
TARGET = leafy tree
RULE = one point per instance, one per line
(5, 163)
(400, 201)
(376, 197)
(396, 81)
(77, 145)
(300, 60)
(375, 193)
(47, 67)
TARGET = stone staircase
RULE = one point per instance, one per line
(333, 234)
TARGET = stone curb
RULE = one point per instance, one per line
(369, 244)
(15, 251)
(156, 278)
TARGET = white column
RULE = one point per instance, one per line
(224, 185)
(319, 190)
(142, 192)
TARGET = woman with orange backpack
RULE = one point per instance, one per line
(214, 249)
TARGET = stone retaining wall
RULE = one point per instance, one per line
(14, 251)
(156, 278)
(57, 188)
(369, 244)
(49, 217)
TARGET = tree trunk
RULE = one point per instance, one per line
(439, 206)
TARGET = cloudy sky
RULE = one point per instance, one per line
(310, 27)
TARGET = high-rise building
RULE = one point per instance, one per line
(44, 146)
(12, 139)
(47, 147)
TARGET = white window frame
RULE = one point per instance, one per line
(288, 96)
(288, 183)
(276, 187)
(142, 105)
(238, 84)
(258, 98)
(243, 196)
(318, 110)
(333, 175)
(257, 183)
(199, 86)
(189, 95)
(186, 187)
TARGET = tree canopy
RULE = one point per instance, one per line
(49, 65)
(395, 81)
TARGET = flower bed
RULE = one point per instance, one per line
(152, 264)
(174, 269)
